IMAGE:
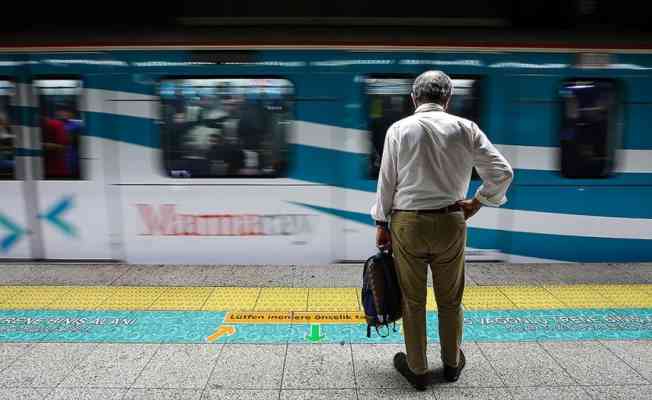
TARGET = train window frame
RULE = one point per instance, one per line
(370, 171)
(10, 115)
(80, 110)
(280, 173)
(614, 132)
(479, 105)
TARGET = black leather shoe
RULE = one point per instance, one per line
(418, 381)
(452, 374)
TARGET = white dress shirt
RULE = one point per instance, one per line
(427, 162)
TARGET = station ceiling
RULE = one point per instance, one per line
(505, 14)
(250, 21)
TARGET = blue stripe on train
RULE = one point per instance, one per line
(532, 190)
(551, 193)
(558, 247)
(574, 248)
(607, 201)
(554, 178)
(123, 128)
(132, 130)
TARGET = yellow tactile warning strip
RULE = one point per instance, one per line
(333, 299)
(231, 298)
(531, 297)
(182, 298)
(81, 298)
(35, 297)
(8, 293)
(284, 300)
(486, 298)
(128, 298)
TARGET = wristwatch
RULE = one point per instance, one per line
(382, 224)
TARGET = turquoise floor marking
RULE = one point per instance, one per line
(195, 327)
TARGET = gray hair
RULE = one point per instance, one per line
(432, 87)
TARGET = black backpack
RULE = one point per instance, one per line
(381, 294)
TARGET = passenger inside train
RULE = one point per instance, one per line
(214, 127)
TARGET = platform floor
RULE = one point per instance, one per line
(107, 331)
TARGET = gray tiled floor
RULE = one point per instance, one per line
(86, 394)
(22, 394)
(374, 369)
(637, 354)
(179, 366)
(550, 393)
(521, 364)
(166, 275)
(590, 363)
(163, 394)
(478, 371)
(580, 370)
(9, 352)
(471, 394)
(342, 394)
(44, 365)
(392, 394)
(335, 275)
(112, 366)
(241, 394)
(61, 274)
(620, 392)
(242, 366)
(321, 366)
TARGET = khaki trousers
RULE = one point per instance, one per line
(419, 239)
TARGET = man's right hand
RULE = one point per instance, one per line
(469, 207)
(383, 238)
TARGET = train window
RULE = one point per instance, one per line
(225, 127)
(7, 134)
(388, 100)
(61, 127)
(588, 128)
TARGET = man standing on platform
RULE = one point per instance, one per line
(420, 212)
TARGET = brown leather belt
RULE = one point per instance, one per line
(444, 210)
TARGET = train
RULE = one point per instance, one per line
(269, 155)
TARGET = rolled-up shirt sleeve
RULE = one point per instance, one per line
(493, 168)
(386, 179)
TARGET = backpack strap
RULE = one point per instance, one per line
(365, 271)
(390, 283)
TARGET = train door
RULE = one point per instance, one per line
(15, 163)
(66, 190)
(532, 149)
